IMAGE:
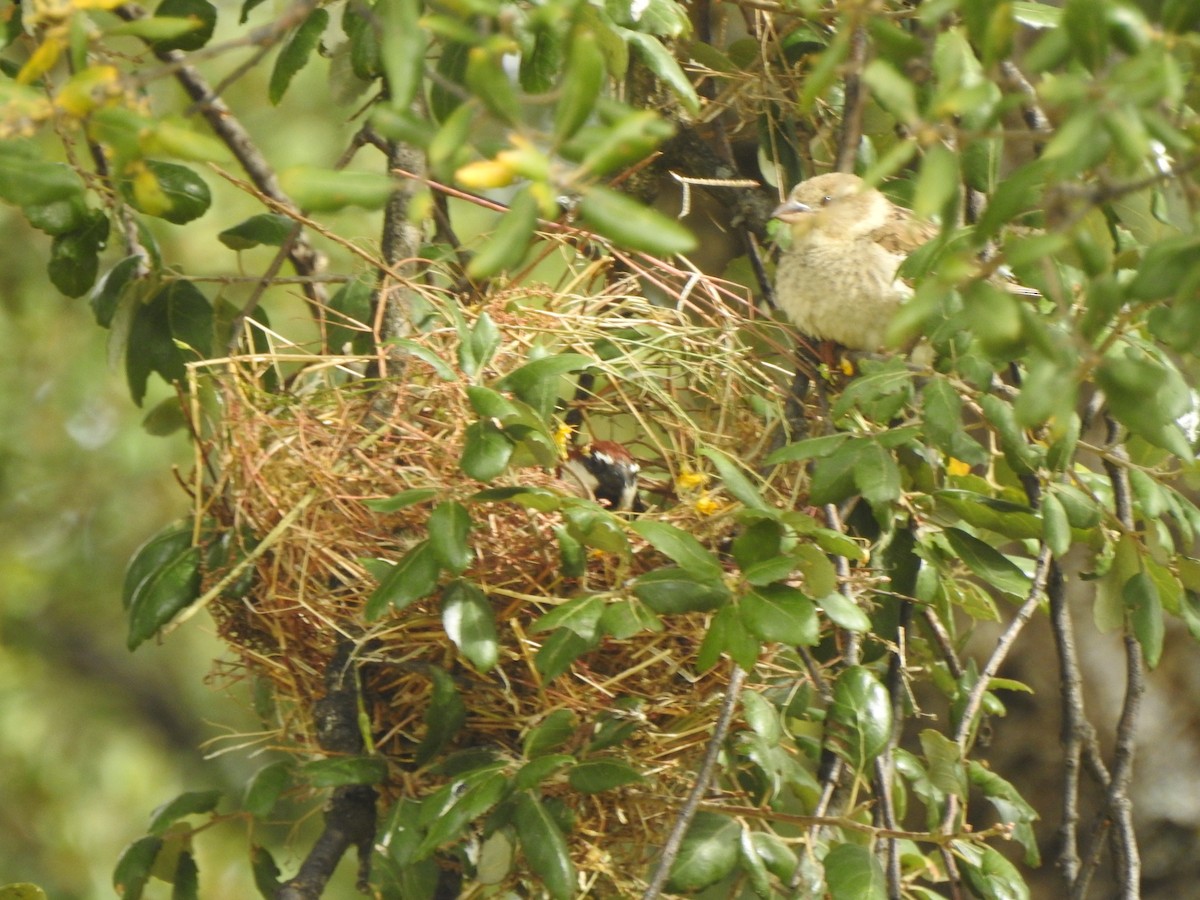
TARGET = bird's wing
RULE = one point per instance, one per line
(902, 232)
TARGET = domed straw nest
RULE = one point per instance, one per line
(298, 480)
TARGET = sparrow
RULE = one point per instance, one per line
(837, 280)
(605, 472)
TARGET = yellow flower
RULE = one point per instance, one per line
(957, 467)
(706, 505)
(689, 480)
(562, 438)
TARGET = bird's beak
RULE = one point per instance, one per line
(791, 210)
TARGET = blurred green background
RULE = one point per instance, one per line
(92, 738)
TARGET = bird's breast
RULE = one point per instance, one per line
(840, 290)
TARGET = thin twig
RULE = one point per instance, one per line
(704, 777)
(303, 256)
(856, 101)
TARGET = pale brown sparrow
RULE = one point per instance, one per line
(837, 280)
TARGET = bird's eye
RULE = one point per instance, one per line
(826, 200)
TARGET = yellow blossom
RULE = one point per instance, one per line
(562, 438)
(689, 480)
(957, 467)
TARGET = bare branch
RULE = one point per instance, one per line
(704, 777)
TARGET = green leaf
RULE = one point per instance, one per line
(988, 563)
(401, 48)
(508, 242)
(539, 381)
(859, 720)
(169, 137)
(155, 553)
(622, 619)
(1166, 266)
(1146, 615)
(449, 536)
(265, 869)
(762, 716)
(580, 614)
(559, 651)
(733, 479)
(943, 423)
(475, 795)
(1056, 528)
(415, 576)
(594, 527)
(50, 194)
(162, 594)
(833, 477)
(201, 11)
(328, 190)
(663, 63)
(188, 804)
(727, 634)
(402, 500)
(853, 873)
(993, 877)
(536, 772)
(1143, 396)
(344, 770)
(348, 328)
(132, 871)
(545, 848)
(776, 612)
(168, 191)
(877, 476)
(1088, 32)
(486, 79)
(111, 289)
(708, 853)
(444, 716)
(630, 138)
(675, 590)
(937, 183)
(264, 229)
(486, 451)
(1011, 808)
(779, 860)
(1018, 450)
(1013, 520)
(760, 541)
(74, 255)
(294, 56)
(583, 77)
(470, 623)
(22, 890)
(596, 775)
(485, 338)
(894, 92)
(552, 733)
(629, 223)
(541, 60)
(844, 612)
(679, 546)
(266, 786)
(426, 355)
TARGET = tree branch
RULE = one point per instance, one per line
(704, 777)
(304, 257)
(350, 814)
